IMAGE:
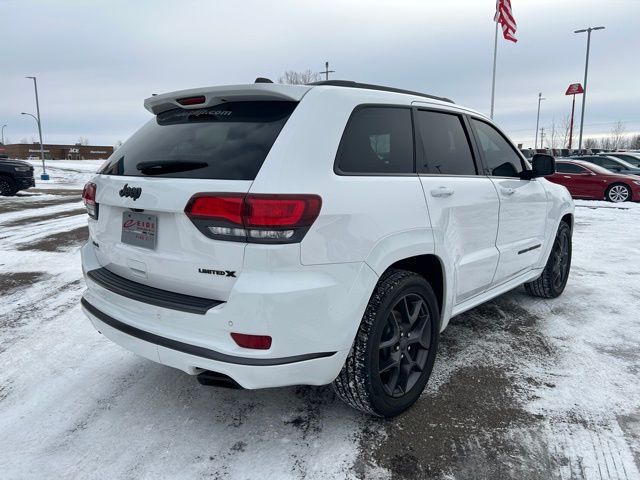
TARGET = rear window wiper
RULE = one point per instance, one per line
(168, 166)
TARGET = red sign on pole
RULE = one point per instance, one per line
(574, 89)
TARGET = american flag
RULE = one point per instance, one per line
(504, 16)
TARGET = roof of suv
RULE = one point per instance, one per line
(272, 91)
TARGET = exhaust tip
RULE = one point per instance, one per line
(215, 379)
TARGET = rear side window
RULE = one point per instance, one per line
(226, 142)
(445, 144)
(569, 168)
(606, 163)
(377, 140)
(500, 157)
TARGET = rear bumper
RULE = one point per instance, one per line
(312, 315)
(250, 373)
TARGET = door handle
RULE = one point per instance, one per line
(442, 192)
(567, 176)
(507, 191)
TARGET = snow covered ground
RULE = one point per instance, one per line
(65, 173)
(523, 388)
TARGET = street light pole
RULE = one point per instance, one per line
(3, 132)
(327, 71)
(538, 121)
(44, 175)
(586, 70)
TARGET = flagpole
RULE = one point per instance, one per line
(493, 81)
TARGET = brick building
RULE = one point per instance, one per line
(57, 152)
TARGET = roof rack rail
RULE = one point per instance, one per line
(352, 84)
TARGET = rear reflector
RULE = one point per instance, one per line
(256, 342)
(89, 199)
(191, 100)
(257, 218)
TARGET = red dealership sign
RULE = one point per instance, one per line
(574, 89)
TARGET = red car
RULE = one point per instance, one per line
(586, 180)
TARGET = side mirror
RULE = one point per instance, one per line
(542, 164)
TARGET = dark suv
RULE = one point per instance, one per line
(15, 175)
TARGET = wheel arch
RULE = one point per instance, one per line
(430, 267)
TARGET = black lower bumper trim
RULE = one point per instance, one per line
(25, 182)
(151, 295)
(194, 349)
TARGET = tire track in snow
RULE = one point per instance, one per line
(28, 233)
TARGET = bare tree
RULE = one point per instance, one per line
(292, 77)
(605, 143)
(590, 143)
(82, 141)
(565, 129)
(634, 142)
(618, 138)
(552, 137)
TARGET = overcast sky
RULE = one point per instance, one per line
(96, 60)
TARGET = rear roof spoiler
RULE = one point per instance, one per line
(229, 93)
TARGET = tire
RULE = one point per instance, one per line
(402, 304)
(618, 193)
(8, 186)
(554, 277)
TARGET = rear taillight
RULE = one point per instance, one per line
(89, 199)
(255, 218)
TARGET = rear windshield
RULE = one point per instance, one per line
(227, 142)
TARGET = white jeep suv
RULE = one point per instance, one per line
(266, 235)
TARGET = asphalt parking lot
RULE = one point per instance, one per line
(523, 388)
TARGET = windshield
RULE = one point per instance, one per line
(228, 142)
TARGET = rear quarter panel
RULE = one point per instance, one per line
(362, 217)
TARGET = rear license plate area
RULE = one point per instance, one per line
(139, 229)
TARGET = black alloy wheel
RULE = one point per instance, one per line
(395, 347)
(553, 280)
(404, 346)
(7, 186)
(560, 257)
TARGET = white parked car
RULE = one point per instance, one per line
(267, 235)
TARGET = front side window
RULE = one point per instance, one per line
(500, 157)
(444, 144)
(377, 140)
